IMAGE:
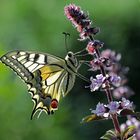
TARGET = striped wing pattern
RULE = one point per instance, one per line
(46, 77)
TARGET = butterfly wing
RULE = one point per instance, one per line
(46, 89)
(25, 63)
(45, 75)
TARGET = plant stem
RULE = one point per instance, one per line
(108, 93)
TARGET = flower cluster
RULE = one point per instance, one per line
(132, 122)
(123, 91)
(113, 107)
(80, 20)
(100, 81)
(96, 63)
(110, 60)
(118, 69)
(110, 76)
(92, 45)
(112, 55)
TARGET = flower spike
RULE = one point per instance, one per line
(79, 19)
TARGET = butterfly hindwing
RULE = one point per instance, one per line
(47, 96)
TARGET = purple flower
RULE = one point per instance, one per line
(100, 78)
(112, 55)
(96, 83)
(95, 65)
(126, 104)
(115, 80)
(123, 91)
(100, 109)
(113, 107)
(88, 32)
(98, 62)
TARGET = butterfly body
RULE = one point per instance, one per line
(48, 77)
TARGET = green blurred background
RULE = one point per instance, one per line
(38, 25)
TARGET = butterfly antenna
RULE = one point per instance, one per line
(83, 78)
(66, 35)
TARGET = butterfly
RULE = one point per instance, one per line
(48, 77)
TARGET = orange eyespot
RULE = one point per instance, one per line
(54, 103)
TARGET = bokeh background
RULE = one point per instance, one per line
(37, 25)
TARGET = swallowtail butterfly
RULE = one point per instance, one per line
(48, 77)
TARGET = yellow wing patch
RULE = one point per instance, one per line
(47, 70)
(51, 81)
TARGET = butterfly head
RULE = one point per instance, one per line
(71, 59)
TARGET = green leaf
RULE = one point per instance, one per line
(130, 138)
(128, 132)
(126, 112)
(109, 135)
(91, 118)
